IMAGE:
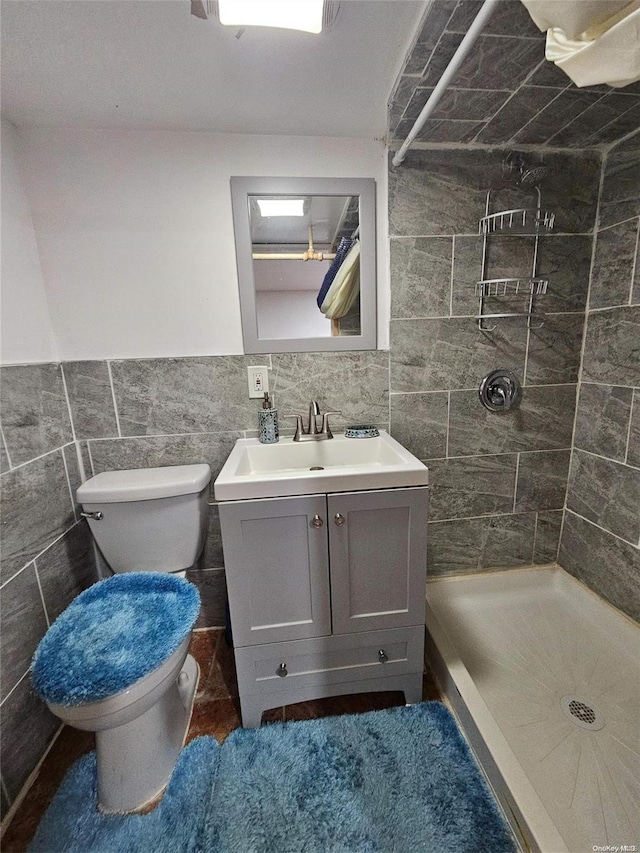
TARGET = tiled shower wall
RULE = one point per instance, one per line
(601, 533)
(499, 480)
(47, 553)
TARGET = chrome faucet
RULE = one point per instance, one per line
(311, 433)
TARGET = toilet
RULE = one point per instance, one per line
(116, 660)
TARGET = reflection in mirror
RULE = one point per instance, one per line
(304, 286)
(307, 266)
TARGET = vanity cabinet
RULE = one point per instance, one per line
(326, 594)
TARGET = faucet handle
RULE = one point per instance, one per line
(325, 423)
(299, 426)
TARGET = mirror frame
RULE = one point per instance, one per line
(365, 189)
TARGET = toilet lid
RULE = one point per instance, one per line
(113, 634)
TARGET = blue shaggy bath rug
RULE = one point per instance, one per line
(112, 634)
(396, 781)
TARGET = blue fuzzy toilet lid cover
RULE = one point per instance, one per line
(113, 634)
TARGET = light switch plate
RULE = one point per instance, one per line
(258, 379)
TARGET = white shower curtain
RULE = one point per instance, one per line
(592, 41)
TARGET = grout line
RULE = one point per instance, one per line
(6, 448)
(446, 444)
(501, 36)
(66, 471)
(431, 391)
(535, 536)
(489, 455)
(66, 396)
(526, 147)
(515, 484)
(37, 458)
(607, 384)
(466, 234)
(475, 316)
(526, 353)
(453, 255)
(608, 458)
(635, 264)
(177, 434)
(603, 166)
(608, 307)
(603, 529)
(44, 605)
(15, 686)
(37, 556)
(5, 792)
(488, 515)
(113, 397)
(634, 401)
(389, 384)
(594, 135)
(616, 142)
(586, 109)
(80, 460)
(93, 470)
(616, 224)
(538, 114)
(28, 783)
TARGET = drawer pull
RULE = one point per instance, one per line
(382, 656)
(339, 519)
(316, 521)
(282, 670)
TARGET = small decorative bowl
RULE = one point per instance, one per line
(362, 431)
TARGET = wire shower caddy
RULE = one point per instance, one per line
(516, 222)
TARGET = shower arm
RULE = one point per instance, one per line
(456, 61)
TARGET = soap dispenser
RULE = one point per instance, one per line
(268, 422)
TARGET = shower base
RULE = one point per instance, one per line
(545, 679)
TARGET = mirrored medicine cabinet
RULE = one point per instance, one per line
(306, 256)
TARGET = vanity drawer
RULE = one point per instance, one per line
(329, 660)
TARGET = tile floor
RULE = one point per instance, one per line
(216, 712)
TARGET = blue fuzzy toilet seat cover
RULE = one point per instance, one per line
(113, 634)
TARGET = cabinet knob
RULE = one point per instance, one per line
(282, 670)
(339, 519)
(316, 521)
(382, 656)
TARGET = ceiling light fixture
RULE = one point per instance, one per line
(305, 15)
(281, 206)
(311, 16)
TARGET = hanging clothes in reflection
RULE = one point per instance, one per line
(341, 253)
(345, 287)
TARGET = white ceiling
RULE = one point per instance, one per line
(151, 64)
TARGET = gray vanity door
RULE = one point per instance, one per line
(377, 547)
(275, 554)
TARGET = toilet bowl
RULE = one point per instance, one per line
(116, 660)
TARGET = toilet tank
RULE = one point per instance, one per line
(153, 519)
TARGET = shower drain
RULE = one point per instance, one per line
(582, 712)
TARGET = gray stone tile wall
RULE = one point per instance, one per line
(601, 534)
(610, 566)
(35, 415)
(505, 91)
(45, 551)
(505, 473)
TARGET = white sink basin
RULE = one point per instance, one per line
(255, 470)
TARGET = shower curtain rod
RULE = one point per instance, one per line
(456, 61)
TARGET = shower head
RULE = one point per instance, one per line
(525, 175)
(532, 177)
